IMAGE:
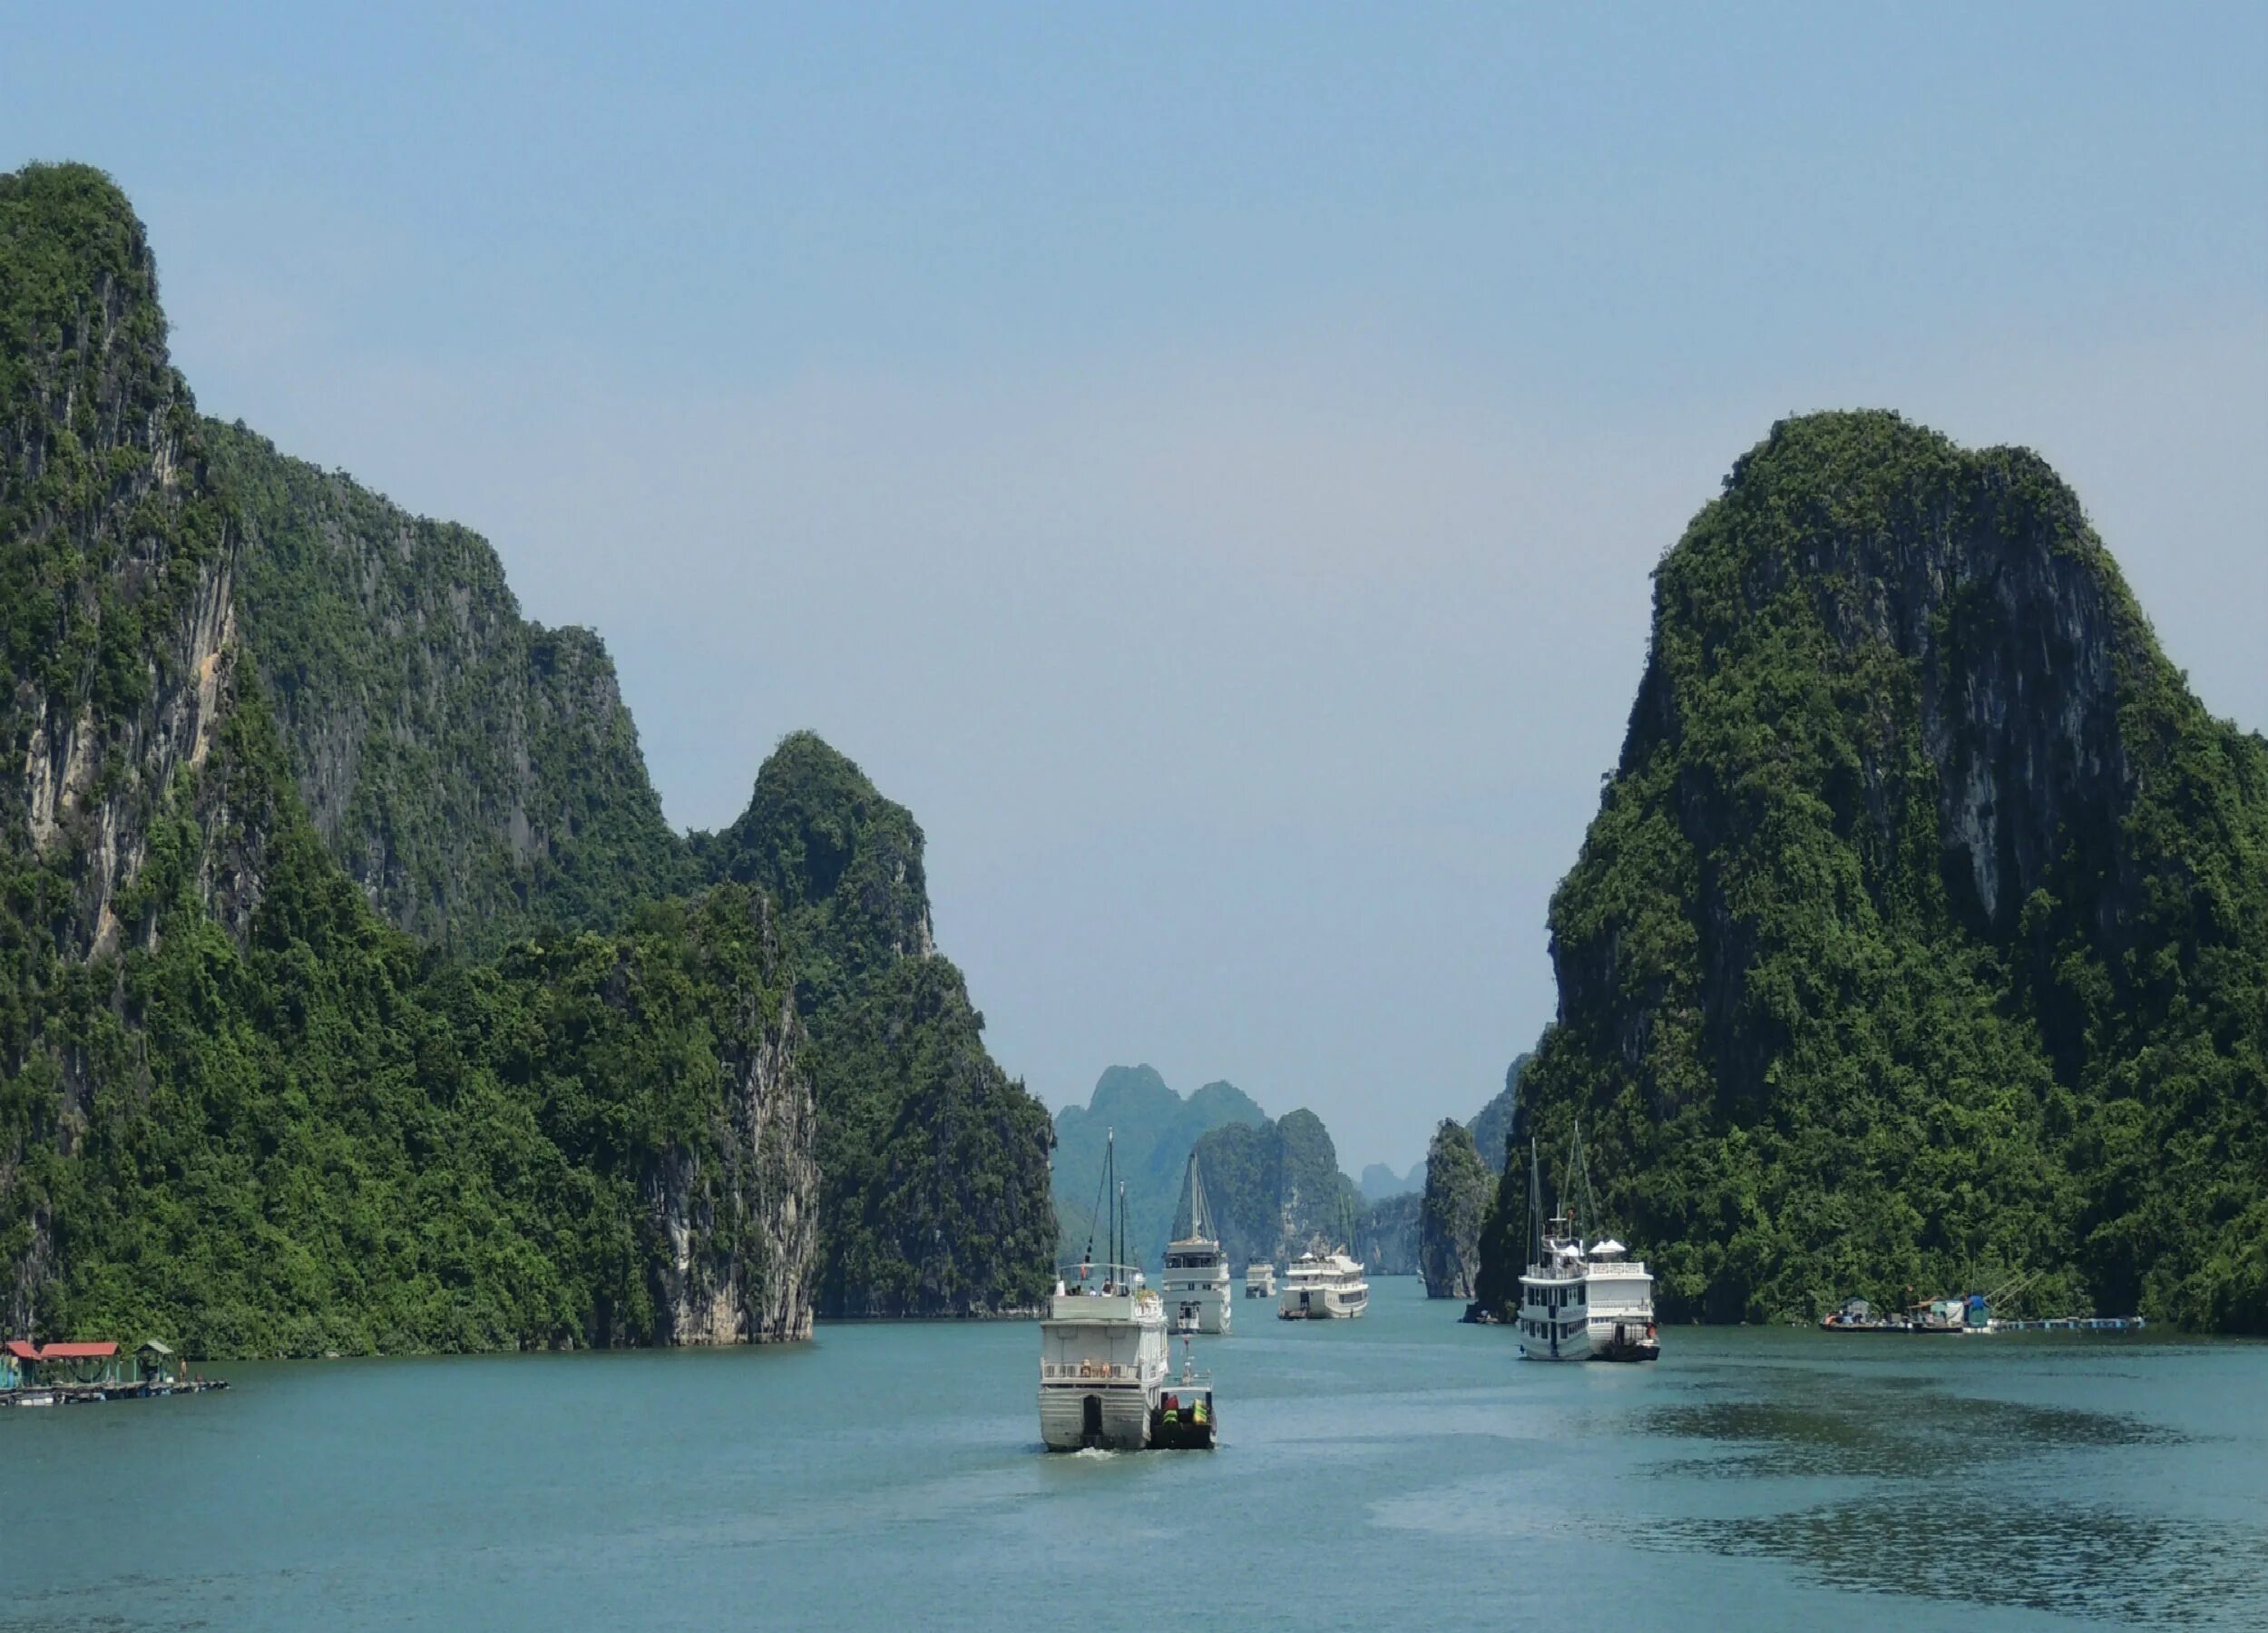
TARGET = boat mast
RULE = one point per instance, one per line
(1200, 1215)
(1535, 1205)
(1104, 1189)
(1580, 1182)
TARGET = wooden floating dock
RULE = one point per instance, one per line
(78, 1374)
(85, 1394)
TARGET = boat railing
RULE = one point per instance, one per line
(1089, 1372)
(1092, 1276)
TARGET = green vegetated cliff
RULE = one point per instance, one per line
(933, 1162)
(258, 725)
(477, 773)
(1155, 1128)
(1920, 941)
(1493, 1126)
(1452, 1213)
(1276, 1187)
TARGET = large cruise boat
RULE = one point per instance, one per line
(1102, 1344)
(1578, 1302)
(1197, 1270)
(1322, 1286)
(1259, 1280)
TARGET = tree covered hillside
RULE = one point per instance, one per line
(477, 773)
(1920, 941)
(933, 1162)
(256, 725)
(1277, 1185)
(237, 1109)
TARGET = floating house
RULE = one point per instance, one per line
(63, 1364)
(33, 1374)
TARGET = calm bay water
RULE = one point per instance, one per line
(1400, 1470)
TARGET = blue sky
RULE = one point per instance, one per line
(1206, 461)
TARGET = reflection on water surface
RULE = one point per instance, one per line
(1971, 1498)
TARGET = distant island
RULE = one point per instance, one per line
(1275, 1183)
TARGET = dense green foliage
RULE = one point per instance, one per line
(1276, 1187)
(1156, 1128)
(932, 1161)
(1458, 1189)
(476, 772)
(245, 703)
(1497, 1122)
(314, 1139)
(1921, 941)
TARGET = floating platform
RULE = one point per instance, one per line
(87, 1394)
(2074, 1324)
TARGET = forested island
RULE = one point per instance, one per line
(1921, 940)
(355, 994)
(1275, 1183)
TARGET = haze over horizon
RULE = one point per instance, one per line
(1207, 468)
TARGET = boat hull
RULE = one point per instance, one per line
(1557, 1346)
(1114, 1417)
(1322, 1306)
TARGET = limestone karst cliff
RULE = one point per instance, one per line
(256, 725)
(1276, 1187)
(932, 1161)
(1458, 1186)
(1921, 940)
(476, 773)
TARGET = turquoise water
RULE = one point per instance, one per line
(1400, 1470)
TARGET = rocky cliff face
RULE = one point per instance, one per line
(739, 1210)
(1276, 1187)
(121, 633)
(1497, 1123)
(1457, 1191)
(1920, 867)
(934, 1193)
(1386, 1235)
(232, 1110)
(476, 773)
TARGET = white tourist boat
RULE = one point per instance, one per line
(1322, 1286)
(1102, 1346)
(1580, 1302)
(1259, 1280)
(1197, 1270)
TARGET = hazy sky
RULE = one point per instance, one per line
(1206, 461)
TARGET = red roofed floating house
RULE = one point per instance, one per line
(63, 1364)
(28, 1365)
